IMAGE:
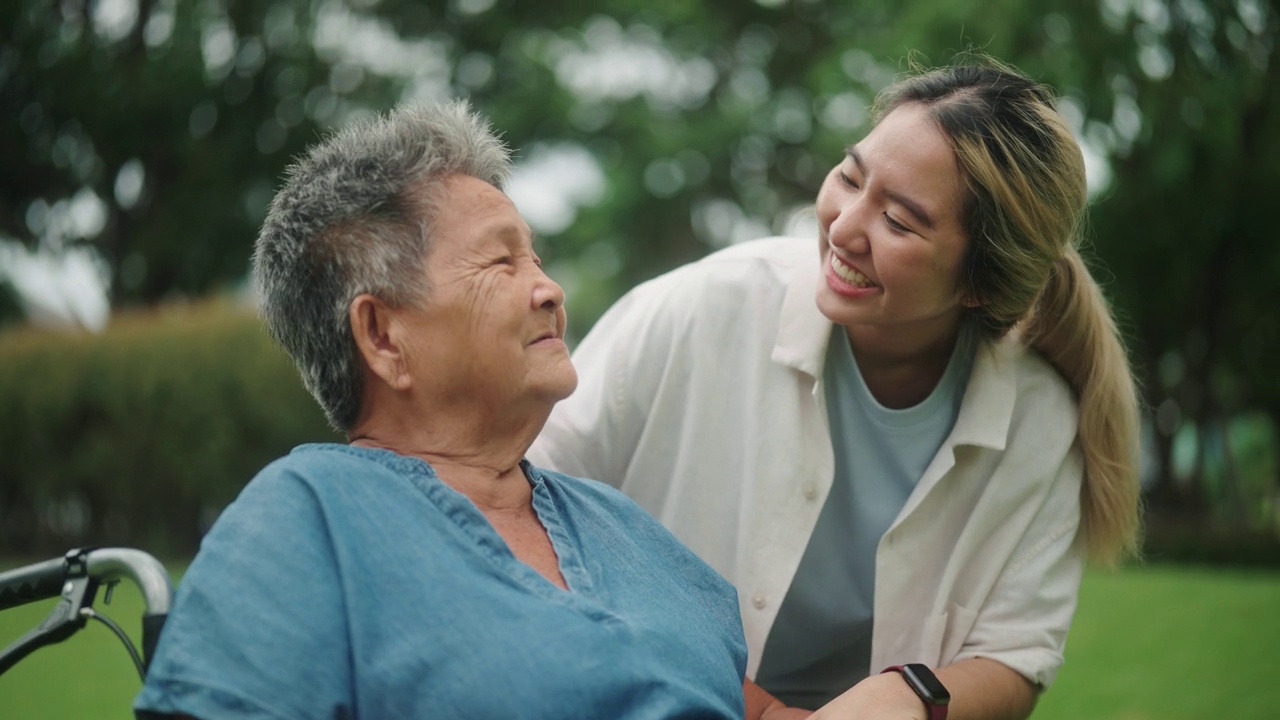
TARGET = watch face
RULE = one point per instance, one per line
(925, 683)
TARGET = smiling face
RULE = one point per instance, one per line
(891, 233)
(490, 332)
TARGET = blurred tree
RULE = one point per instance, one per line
(1184, 97)
(1178, 103)
(10, 310)
(156, 130)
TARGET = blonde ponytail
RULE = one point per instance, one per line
(1072, 327)
(1027, 198)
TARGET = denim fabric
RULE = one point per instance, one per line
(348, 582)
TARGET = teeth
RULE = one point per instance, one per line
(850, 275)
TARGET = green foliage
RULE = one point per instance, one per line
(10, 309)
(709, 122)
(177, 124)
(141, 435)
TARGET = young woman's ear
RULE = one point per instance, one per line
(377, 342)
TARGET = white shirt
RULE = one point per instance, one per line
(820, 641)
(700, 396)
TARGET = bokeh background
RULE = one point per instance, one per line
(141, 140)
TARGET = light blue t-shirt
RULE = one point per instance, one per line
(820, 644)
(352, 583)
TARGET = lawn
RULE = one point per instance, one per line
(1148, 643)
(1171, 644)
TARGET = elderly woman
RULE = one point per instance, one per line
(425, 569)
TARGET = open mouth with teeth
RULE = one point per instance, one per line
(850, 274)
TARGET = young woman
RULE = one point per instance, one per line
(902, 448)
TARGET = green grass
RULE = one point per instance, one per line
(1168, 643)
(1158, 643)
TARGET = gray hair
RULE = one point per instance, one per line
(354, 216)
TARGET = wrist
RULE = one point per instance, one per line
(927, 688)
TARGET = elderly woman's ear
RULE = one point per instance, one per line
(379, 340)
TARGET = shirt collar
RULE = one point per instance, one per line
(803, 332)
(987, 407)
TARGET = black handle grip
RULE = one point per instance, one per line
(31, 583)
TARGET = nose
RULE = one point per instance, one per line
(844, 217)
(547, 293)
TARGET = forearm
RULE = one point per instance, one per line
(980, 689)
(983, 689)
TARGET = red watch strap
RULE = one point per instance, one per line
(936, 712)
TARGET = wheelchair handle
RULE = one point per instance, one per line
(43, 580)
(110, 564)
(75, 578)
(34, 582)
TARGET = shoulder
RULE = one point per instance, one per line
(321, 460)
(776, 254)
(727, 292)
(1018, 404)
(1009, 377)
(755, 266)
(1041, 411)
(745, 265)
(321, 469)
(309, 492)
(1040, 388)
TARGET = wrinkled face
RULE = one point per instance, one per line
(890, 231)
(491, 330)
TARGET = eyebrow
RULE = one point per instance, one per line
(912, 206)
(511, 232)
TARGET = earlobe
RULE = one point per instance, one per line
(969, 296)
(377, 343)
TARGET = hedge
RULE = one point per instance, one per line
(139, 436)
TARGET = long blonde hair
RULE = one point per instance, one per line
(1024, 220)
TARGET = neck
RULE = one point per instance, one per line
(476, 454)
(900, 372)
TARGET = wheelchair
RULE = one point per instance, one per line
(76, 579)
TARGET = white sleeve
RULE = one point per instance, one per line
(1025, 620)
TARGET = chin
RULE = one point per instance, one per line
(835, 308)
(560, 385)
(571, 384)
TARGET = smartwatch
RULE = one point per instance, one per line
(925, 684)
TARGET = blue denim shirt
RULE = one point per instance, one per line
(348, 582)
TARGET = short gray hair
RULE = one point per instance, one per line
(354, 217)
